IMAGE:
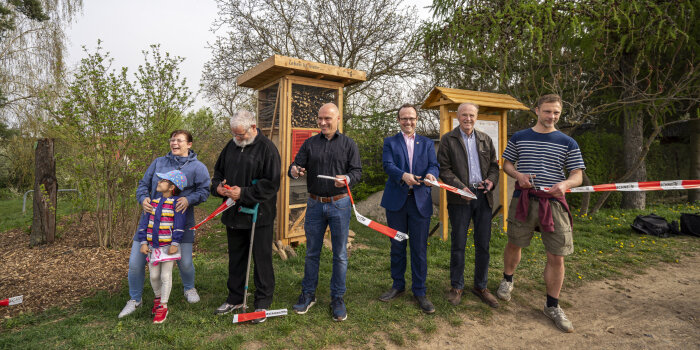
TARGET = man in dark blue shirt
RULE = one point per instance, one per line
(328, 153)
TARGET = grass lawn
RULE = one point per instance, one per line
(605, 247)
(11, 209)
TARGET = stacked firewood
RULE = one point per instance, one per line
(284, 251)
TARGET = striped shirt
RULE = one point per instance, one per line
(170, 225)
(545, 155)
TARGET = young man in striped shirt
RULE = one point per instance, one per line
(536, 158)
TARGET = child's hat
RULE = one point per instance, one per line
(176, 177)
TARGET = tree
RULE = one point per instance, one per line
(32, 41)
(631, 60)
(110, 129)
(98, 121)
(650, 50)
(210, 132)
(377, 37)
(162, 99)
(45, 191)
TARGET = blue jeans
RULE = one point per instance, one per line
(137, 271)
(409, 221)
(460, 216)
(335, 214)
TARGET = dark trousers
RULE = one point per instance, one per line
(410, 221)
(264, 275)
(460, 215)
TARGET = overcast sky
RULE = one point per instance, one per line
(128, 27)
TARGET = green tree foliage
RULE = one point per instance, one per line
(32, 9)
(586, 51)
(32, 40)
(98, 122)
(369, 132)
(109, 129)
(163, 98)
(636, 59)
(210, 133)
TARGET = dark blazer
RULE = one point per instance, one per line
(453, 162)
(395, 162)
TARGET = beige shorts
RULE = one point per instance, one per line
(559, 242)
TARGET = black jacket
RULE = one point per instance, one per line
(259, 161)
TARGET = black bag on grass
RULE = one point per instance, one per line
(655, 225)
(690, 224)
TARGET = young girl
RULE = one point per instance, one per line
(160, 233)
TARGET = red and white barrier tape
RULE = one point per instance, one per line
(386, 230)
(249, 316)
(225, 205)
(452, 189)
(636, 186)
(12, 301)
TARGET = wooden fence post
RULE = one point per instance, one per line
(45, 190)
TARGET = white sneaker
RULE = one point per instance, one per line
(504, 290)
(557, 315)
(192, 296)
(129, 308)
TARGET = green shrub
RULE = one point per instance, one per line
(369, 132)
(602, 154)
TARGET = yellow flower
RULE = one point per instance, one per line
(579, 277)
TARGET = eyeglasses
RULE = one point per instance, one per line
(240, 136)
(412, 120)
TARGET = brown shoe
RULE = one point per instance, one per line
(454, 296)
(486, 297)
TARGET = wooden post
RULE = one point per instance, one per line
(503, 180)
(45, 190)
(445, 127)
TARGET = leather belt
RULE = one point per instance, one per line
(327, 199)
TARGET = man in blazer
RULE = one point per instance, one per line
(468, 161)
(408, 158)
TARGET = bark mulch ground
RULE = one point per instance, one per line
(64, 272)
(58, 274)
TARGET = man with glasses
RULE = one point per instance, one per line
(328, 153)
(408, 158)
(248, 156)
(468, 161)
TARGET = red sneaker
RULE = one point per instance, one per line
(161, 314)
(156, 304)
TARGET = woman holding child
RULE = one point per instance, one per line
(196, 191)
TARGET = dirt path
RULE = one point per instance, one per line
(657, 310)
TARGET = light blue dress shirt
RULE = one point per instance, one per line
(472, 157)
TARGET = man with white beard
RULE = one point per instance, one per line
(248, 156)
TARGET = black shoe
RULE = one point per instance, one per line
(391, 294)
(338, 309)
(305, 302)
(425, 304)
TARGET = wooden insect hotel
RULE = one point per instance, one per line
(290, 91)
(492, 119)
